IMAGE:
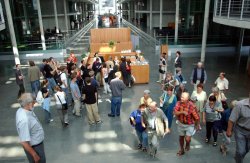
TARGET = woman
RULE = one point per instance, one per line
(162, 68)
(46, 101)
(169, 81)
(199, 97)
(105, 75)
(211, 117)
(60, 100)
(146, 98)
(177, 61)
(180, 90)
(168, 101)
(220, 96)
(128, 69)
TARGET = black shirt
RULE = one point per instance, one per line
(47, 70)
(89, 91)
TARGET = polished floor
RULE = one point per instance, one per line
(114, 141)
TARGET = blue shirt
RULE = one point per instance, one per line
(74, 88)
(137, 116)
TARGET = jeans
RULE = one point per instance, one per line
(68, 96)
(242, 138)
(40, 151)
(47, 116)
(35, 87)
(52, 84)
(143, 138)
(116, 103)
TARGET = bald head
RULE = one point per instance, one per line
(184, 97)
(153, 106)
(199, 64)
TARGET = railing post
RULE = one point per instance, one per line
(242, 9)
(220, 6)
(229, 6)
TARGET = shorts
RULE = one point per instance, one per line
(185, 130)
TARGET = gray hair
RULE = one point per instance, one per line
(25, 99)
(215, 89)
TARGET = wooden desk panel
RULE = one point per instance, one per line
(141, 73)
(114, 54)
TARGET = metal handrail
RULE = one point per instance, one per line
(146, 37)
(232, 9)
(80, 33)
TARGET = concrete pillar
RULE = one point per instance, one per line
(55, 13)
(150, 14)
(41, 24)
(205, 29)
(115, 7)
(26, 17)
(66, 16)
(176, 21)
(12, 32)
(239, 47)
(161, 14)
(99, 7)
(129, 12)
(188, 14)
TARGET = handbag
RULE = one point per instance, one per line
(64, 106)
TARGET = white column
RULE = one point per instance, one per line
(26, 17)
(188, 14)
(129, 12)
(161, 14)
(115, 7)
(239, 47)
(41, 24)
(205, 29)
(176, 21)
(66, 16)
(99, 7)
(150, 14)
(55, 13)
(12, 32)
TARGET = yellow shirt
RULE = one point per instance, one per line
(149, 100)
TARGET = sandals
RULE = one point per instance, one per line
(180, 153)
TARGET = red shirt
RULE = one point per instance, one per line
(190, 108)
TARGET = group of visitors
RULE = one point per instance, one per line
(73, 85)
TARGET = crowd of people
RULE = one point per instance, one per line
(72, 86)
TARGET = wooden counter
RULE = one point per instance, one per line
(141, 73)
(114, 54)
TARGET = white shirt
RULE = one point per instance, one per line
(222, 84)
(28, 127)
(61, 95)
(201, 98)
(64, 79)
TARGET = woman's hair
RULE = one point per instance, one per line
(178, 52)
(57, 88)
(104, 65)
(200, 85)
(142, 106)
(169, 88)
(212, 98)
(31, 63)
(44, 82)
(215, 89)
(25, 99)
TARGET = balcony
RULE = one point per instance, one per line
(232, 13)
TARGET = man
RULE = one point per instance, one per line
(240, 118)
(42, 67)
(162, 68)
(198, 75)
(156, 124)
(19, 80)
(116, 86)
(76, 95)
(110, 64)
(221, 82)
(188, 121)
(49, 75)
(29, 130)
(90, 99)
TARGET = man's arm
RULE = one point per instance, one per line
(229, 128)
(31, 151)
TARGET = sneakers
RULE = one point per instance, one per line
(111, 115)
(99, 122)
(144, 149)
(51, 120)
(139, 146)
(215, 144)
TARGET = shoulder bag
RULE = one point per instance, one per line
(64, 106)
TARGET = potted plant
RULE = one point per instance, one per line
(111, 43)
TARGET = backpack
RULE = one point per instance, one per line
(39, 97)
(58, 79)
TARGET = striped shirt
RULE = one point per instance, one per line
(190, 108)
